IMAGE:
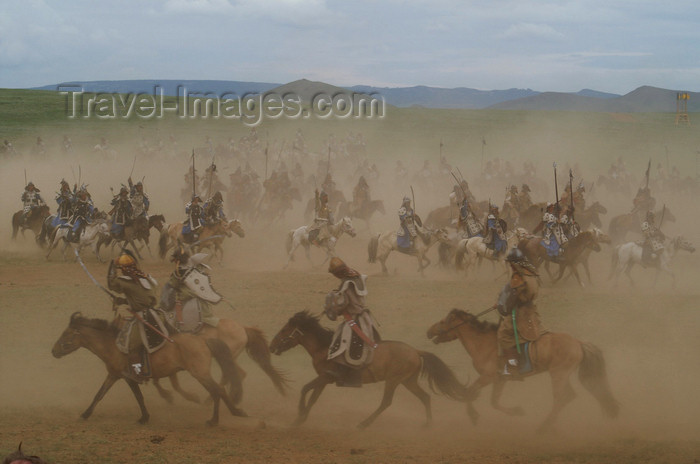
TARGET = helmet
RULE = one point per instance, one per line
(335, 264)
(125, 259)
(515, 255)
(217, 196)
(123, 190)
(30, 184)
(180, 255)
(406, 200)
(139, 184)
(324, 195)
(196, 197)
(525, 188)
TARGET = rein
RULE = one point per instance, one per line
(466, 321)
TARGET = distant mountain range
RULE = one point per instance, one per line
(643, 99)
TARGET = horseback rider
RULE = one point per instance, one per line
(323, 219)
(355, 338)
(553, 236)
(139, 200)
(511, 206)
(409, 223)
(179, 291)
(31, 200)
(495, 232)
(360, 196)
(140, 291)
(122, 212)
(520, 321)
(214, 209)
(83, 212)
(467, 222)
(65, 200)
(568, 224)
(579, 201)
(194, 221)
(643, 201)
(653, 240)
(524, 200)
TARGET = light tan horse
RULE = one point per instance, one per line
(212, 235)
(559, 354)
(380, 246)
(472, 250)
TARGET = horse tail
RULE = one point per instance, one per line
(15, 224)
(259, 351)
(593, 377)
(41, 238)
(288, 243)
(615, 261)
(163, 243)
(372, 248)
(222, 353)
(459, 256)
(441, 378)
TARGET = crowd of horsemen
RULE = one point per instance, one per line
(186, 306)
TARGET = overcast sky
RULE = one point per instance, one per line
(607, 45)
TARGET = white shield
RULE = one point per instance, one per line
(199, 284)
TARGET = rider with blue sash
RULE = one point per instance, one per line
(495, 232)
(138, 199)
(194, 221)
(65, 200)
(214, 209)
(554, 237)
(122, 212)
(407, 232)
(82, 215)
(467, 222)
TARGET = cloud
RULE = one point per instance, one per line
(530, 30)
(198, 6)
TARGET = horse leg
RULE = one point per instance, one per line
(136, 250)
(563, 395)
(316, 386)
(389, 389)
(167, 395)
(382, 261)
(472, 394)
(106, 385)
(496, 393)
(412, 385)
(628, 268)
(185, 394)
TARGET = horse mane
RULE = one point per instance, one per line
(308, 323)
(77, 320)
(479, 325)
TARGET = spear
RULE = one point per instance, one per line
(328, 165)
(133, 165)
(266, 147)
(194, 184)
(571, 192)
(441, 144)
(483, 144)
(556, 187)
(80, 173)
(211, 175)
(647, 173)
(25, 176)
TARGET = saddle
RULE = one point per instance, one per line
(151, 340)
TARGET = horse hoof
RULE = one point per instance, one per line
(143, 420)
(211, 423)
(239, 412)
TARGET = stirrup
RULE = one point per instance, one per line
(510, 363)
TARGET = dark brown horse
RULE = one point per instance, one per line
(393, 362)
(558, 353)
(590, 217)
(621, 225)
(34, 223)
(536, 253)
(188, 352)
(365, 213)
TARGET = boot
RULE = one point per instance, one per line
(346, 376)
(511, 363)
(135, 368)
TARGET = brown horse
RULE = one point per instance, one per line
(558, 353)
(34, 223)
(188, 352)
(621, 225)
(238, 338)
(590, 217)
(535, 252)
(211, 235)
(393, 362)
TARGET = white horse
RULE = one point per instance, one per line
(381, 245)
(300, 236)
(88, 237)
(628, 254)
(474, 250)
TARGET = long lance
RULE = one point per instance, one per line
(115, 299)
(211, 176)
(469, 209)
(441, 144)
(663, 212)
(80, 174)
(414, 199)
(194, 183)
(647, 173)
(328, 164)
(25, 176)
(556, 187)
(266, 157)
(133, 165)
(571, 192)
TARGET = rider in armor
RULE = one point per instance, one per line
(323, 219)
(360, 196)
(408, 230)
(467, 222)
(554, 238)
(520, 321)
(511, 206)
(82, 215)
(65, 200)
(122, 212)
(31, 199)
(194, 222)
(524, 200)
(140, 292)
(568, 224)
(643, 201)
(653, 240)
(214, 209)
(138, 199)
(355, 338)
(495, 232)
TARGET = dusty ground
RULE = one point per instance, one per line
(647, 336)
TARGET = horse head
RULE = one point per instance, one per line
(234, 225)
(346, 226)
(600, 236)
(598, 208)
(444, 330)
(296, 327)
(69, 341)
(157, 221)
(680, 243)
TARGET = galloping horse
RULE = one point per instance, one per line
(475, 250)
(393, 362)
(36, 220)
(211, 235)
(365, 213)
(380, 246)
(590, 217)
(188, 352)
(90, 235)
(558, 353)
(238, 338)
(626, 256)
(300, 236)
(620, 225)
(137, 230)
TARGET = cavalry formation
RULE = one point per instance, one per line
(167, 330)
